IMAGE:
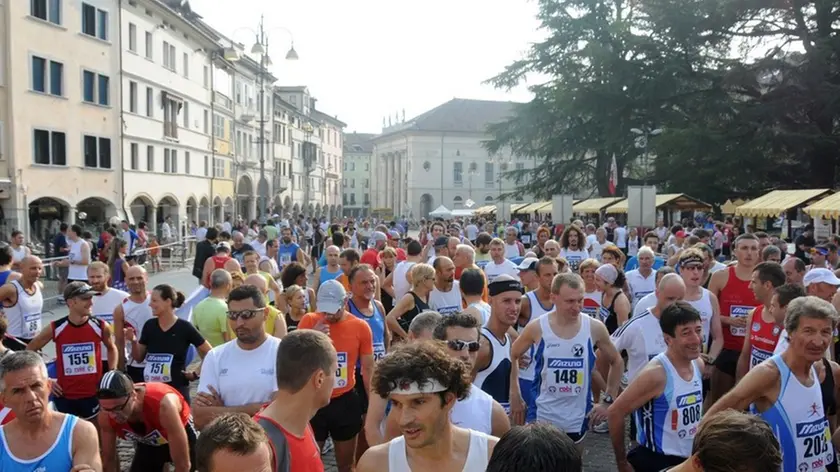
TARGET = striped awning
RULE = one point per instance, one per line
(828, 208)
(531, 208)
(676, 201)
(485, 210)
(777, 202)
(729, 207)
(593, 206)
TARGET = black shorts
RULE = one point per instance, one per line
(135, 373)
(576, 438)
(341, 420)
(84, 408)
(361, 392)
(644, 459)
(15, 344)
(105, 366)
(727, 361)
(148, 457)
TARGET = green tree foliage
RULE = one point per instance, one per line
(746, 90)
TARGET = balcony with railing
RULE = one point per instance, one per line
(281, 183)
(222, 100)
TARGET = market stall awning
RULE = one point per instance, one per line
(485, 210)
(593, 206)
(729, 207)
(531, 208)
(777, 202)
(676, 201)
(828, 207)
(517, 208)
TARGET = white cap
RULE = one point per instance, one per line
(815, 276)
(529, 263)
(331, 297)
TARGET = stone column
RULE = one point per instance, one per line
(153, 224)
(71, 215)
(252, 208)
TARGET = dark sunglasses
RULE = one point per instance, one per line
(117, 409)
(458, 345)
(244, 314)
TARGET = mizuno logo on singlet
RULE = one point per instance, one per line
(739, 310)
(811, 428)
(565, 363)
(71, 348)
(689, 399)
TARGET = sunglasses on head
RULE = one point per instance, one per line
(459, 345)
(244, 314)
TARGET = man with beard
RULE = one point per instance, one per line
(573, 249)
(423, 384)
(482, 248)
(132, 313)
(445, 298)
(105, 303)
(353, 340)
(289, 251)
(239, 376)
(499, 266)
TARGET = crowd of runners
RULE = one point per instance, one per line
(472, 347)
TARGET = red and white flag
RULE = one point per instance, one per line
(613, 182)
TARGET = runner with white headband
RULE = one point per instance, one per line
(423, 383)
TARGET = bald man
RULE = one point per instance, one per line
(330, 271)
(552, 249)
(132, 313)
(275, 323)
(23, 302)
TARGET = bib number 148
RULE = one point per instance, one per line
(566, 376)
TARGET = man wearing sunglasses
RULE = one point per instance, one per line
(78, 338)
(479, 411)
(693, 272)
(153, 415)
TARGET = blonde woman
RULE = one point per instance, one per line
(591, 294)
(295, 306)
(414, 302)
(236, 279)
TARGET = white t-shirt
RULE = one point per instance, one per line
(259, 247)
(620, 236)
(493, 270)
(590, 240)
(241, 377)
(646, 303)
(642, 338)
(400, 281)
(596, 249)
(574, 257)
(446, 303)
(103, 308)
(639, 285)
(472, 231)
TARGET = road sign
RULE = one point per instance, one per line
(641, 206)
(561, 209)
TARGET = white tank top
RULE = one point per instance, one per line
(592, 303)
(476, 455)
(24, 317)
(537, 310)
(18, 254)
(511, 250)
(704, 306)
(682, 399)
(103, 308)
(136, 315)
(474, 412)
(799, 422)
(77, 272)
(446, 303)
(400, 282)
(564, 375)
(495, 379)
(483, 308)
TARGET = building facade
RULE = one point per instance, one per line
(356, 185)
(437, 158)
(59, 114)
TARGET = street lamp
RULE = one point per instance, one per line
(260, 48)
(503, 162)
(473, 170)
(308, 162)
(641, 142)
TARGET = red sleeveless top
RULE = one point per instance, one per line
(763, 337)
(736, 301)
(154, 434)
(218, 263)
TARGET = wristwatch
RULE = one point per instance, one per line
(608, 399)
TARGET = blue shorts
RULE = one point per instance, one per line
(526, 388)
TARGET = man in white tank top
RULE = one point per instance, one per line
(398, 279)
(566, 341)
(445, 298)
(478, 412)
(23, 301)
(19, 250)
(78, 258)
(132, 313)
(692, 263)
(785, 389)
(428, 384)
(666, 396)
(106, 302)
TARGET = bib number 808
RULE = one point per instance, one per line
(691, 414)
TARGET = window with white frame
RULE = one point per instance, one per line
(96, 88)
(132, 96)
(149, 46)
(49, 147)
(206, 122)
(206, 79)
(186, 113)
(150, 158)
(47, 10)
(218, 126)
(47, 76)
(458, 174)
(186, 65)
(134, 149)
(219, 168)
(169, 56)
(489, 174)
(170, 161)
(97, 152)
(94, 22)
(150, 102)
(187, 162)
(207, 166)
(132, 37)
(171, 108)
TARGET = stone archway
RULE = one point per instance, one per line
(245, 197)
(141, 208)
(218, 210)
(426, 205)
(204, 210)
(45, 217)
(287, 204)
(168, 211)
(192, 211)
(93, 213)
(227, 212)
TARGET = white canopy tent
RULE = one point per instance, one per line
(441, 212)
(462, 213)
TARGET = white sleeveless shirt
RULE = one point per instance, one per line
(564, 375)
(24, 317)
(704, 306)
(136, 315)
(103, 308)
(446, 303)
(477, 455)
(495, 379)
(483, 308)
(474, 412)
(537, 310)
(18, 254)
(77, 272)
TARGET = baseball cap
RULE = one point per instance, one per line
(822, 250)
(114, 384)
(529, 263)
(331, 296)
(378, 236)
(394, 235)
(79, 290)
(223, 245)
(816, 276)
(442, 241)
(680, 234)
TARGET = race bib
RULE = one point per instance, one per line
(342, 374)
(31, 325)
(78, 359)
(378, 351)
(107, 317)
(565, 376)
(739, 311)
(813, 445)
(603, 313)
(757, 356)
(686, 417)
(285, 258)
(158, 368)
(574, 262)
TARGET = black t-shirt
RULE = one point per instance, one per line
(166, 351)
(807, 241)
